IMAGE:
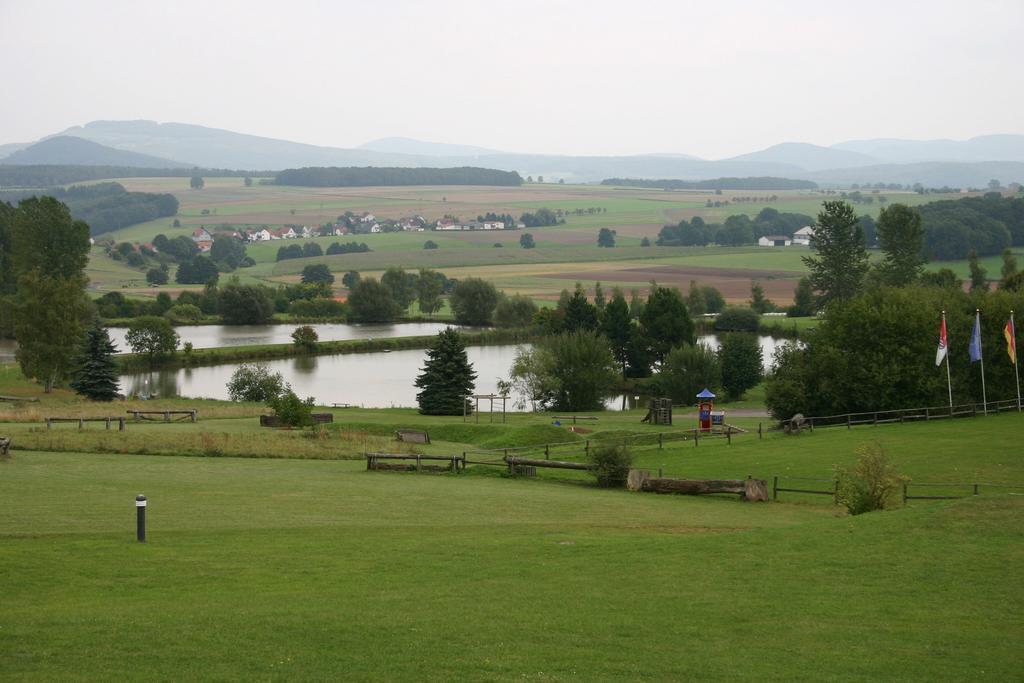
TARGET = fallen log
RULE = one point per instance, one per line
(558, 464)
(748, 489)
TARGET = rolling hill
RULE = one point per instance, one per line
(74, 151)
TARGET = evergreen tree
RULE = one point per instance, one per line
(666, 322)
(617, 327)
(447, 377)
(94, 371)
(599, 300)
(580, 314)
(758, 302)
(842, 262)
(1009, 268)
(695, 300)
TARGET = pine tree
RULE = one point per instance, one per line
(95, 373)
(447, 377)
(838, 271)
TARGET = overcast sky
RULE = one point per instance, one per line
(710, 78)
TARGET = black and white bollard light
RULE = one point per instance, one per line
(140, 518)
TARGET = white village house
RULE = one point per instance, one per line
(774, 241)
(803, 236)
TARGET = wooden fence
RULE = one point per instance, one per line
(902, 415)
(832, 488)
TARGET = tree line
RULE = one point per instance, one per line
(335, 176)
(752, 183)
(737, 230)
(55, 175)
(108, 206)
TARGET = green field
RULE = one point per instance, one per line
(312, 569)
(564, 253)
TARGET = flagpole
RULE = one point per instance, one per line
(1016, 364)
(981, 357)
(949, 382)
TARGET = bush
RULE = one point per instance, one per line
(318, 308)
(613, 462)
(687, 370)
(514, 311)
(291, 410)
(430, 244)
(254, 382)
(305, 338)
(871, 485)
(737, 319)
(183, 313)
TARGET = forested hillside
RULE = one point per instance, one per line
(107, 206)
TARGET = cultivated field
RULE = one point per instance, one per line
(564, 253)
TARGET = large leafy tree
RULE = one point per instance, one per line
(687, 370)
(246, 304)
(45, 237)
(198, 270)
(371, 302)
(95, 372)
(49, 320)
(979, 276)
(447, 376)
(317, 272)
(666, 322)
(48, 255)
(402, 286)
(429, 287)
(838, 271)
(571, 371)
(515, 311)
(901, 237)
(741, 359)
(153, 336)
(473, 301)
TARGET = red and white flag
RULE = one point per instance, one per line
(940, 354)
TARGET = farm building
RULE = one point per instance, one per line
(774, 241)
(803, 236)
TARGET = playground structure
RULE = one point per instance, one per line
(476, 406)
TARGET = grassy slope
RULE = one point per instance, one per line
(314, 570)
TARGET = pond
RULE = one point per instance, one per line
(220, 336)
(371, 380)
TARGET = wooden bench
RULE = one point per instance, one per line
(189, 414)
(275, 421)
(412, 436)
(413, 462)
(82, 420)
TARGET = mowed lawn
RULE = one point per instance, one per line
(305, 569)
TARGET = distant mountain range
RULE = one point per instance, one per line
(175, 145)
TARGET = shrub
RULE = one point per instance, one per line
(687, 370)
(254, 382)
(183, 313)
(871, 485)
(430, 244)
(737, 319)
(318, 308)
(514, 311)
(291, 410)
(613, 462)
(305, 338)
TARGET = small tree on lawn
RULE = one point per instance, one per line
(254, 382)
(741, 359)
(95, 372)
(291, 410)
(447, 376)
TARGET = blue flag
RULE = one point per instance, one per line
(975, 347)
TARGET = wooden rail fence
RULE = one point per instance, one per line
(413, 462)
(82, 420)
(902, 415)
(189, 415)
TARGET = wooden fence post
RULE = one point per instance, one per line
(975, 489)
(586, 447)
(728, 435)
(775, 487)
(108, 424)
(47, 423)
(696, 437)
(81, 424)
(812, 424)
(547, 452)
(904, 493)
(760, 434)
(661, 440)
(120, 424)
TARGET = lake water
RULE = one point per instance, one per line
(372, 380)
(219, 336)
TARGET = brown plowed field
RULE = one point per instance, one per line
(733, 283)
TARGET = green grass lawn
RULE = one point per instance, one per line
(320, 570)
